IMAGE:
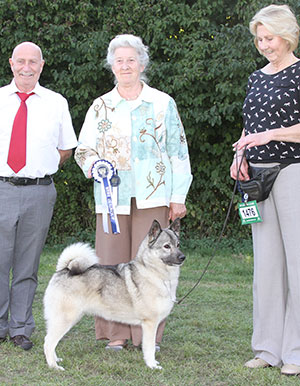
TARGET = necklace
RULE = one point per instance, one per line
(131, 98)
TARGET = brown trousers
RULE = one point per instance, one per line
(121, 248)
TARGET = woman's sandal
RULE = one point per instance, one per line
(116, 347)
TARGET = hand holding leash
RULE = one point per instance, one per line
(239, 167)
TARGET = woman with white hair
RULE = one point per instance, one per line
(133, 142)
(271, 136)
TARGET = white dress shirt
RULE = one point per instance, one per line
(49, 128)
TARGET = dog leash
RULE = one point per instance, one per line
(222, 231)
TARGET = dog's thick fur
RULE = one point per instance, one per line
(141, 292)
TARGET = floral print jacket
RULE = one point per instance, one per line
(145, 141)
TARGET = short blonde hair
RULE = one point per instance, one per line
(280, 21)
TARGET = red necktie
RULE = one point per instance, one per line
(17, 149)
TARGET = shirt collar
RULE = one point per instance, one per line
(146, 95)
(13, 88)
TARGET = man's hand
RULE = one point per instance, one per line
(64, 155)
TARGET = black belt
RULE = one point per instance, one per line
(27, 181)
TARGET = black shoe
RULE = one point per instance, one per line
(22, 341)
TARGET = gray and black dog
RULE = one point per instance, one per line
(141, 292)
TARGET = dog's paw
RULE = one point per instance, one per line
(59, 368)
(154, 365)
(55, 366)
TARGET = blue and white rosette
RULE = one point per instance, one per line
(103, 172)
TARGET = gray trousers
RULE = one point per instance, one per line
(25, 215)
(276, 286)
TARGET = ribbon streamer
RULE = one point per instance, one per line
(103, 171)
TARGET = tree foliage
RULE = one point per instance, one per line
(201, 53)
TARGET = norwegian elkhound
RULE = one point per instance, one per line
(141, 292)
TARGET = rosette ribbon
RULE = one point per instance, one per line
(103, 172)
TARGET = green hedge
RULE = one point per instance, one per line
(201, 53)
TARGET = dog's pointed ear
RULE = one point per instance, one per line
(175, 226)
(154, 232)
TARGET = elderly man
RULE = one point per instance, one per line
(36, 136)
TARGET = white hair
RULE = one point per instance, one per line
(127, 40)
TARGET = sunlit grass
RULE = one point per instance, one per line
(206, 340)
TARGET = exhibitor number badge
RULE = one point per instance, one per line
(249, 212)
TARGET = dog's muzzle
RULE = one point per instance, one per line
(174, 260)
(181, 258)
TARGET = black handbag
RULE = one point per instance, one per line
(261, 182)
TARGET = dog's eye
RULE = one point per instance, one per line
(167, 246)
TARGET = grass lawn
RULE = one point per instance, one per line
(206, 340)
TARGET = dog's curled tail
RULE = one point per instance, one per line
(77, 258)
